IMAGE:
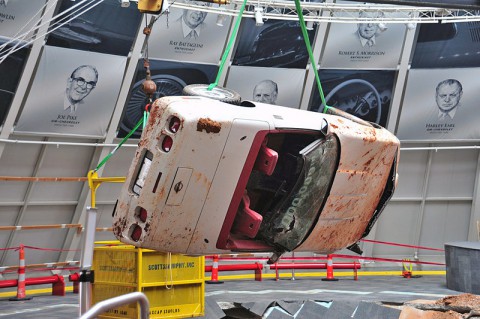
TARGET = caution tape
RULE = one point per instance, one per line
(49, 249)
(400, 245)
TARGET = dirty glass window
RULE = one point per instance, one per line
(290, 221)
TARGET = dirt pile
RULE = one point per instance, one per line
(464, 306)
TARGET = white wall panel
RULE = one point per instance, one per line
(17, 160)
(45, 239)
(411, 171)
(396, 225)
(452, 173)
(62, 161)
(7, 218)
(444, 222)
(39, 215)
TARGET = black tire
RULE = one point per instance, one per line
(217, 93)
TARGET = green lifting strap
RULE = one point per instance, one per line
(305, 37)
(222, 64)
(310, 53)
(229, 46)
(119, 145)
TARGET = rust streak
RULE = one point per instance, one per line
(367, 164)
(368, 152)
(208, 125)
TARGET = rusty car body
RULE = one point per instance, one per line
(210, 177)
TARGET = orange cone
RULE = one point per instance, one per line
(21, 291)
(214, 278)
(329, 270)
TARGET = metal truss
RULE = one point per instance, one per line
(341, 13)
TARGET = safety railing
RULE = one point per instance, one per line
(104, 306)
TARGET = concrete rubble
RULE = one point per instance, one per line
(464, 306)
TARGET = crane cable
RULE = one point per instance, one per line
(310, 54)
(305, 37)
(147, 83)
(229, 46)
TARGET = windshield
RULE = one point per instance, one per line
(292, 217)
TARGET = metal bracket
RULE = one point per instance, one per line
(87, 276)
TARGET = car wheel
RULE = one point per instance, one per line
(167, 85)
(217, 93)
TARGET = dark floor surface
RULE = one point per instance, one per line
(346, 292)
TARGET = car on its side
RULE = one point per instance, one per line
(210, 177)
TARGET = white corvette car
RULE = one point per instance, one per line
(210, 177)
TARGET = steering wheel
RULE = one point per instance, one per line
(364, 105)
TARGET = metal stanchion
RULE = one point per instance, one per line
(86, 274)
(293, 268)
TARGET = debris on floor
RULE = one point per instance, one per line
(464, 306)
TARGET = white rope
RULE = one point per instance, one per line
(21, 37)
(169, 271)
(41, 36)
(28, 22)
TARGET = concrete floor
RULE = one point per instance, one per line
(252, 299)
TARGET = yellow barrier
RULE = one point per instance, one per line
(174, 284)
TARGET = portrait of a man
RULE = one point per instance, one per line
(447, 110)
(364, 45)
(193, 21)
(79, 85)
(447, 95)
(70, 95)
(266, 91)
(368, 31)
(189, 34)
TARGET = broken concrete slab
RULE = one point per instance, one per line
(257, 308)
(276, 313)
(375, 310)
(290, 306)
(311, 310)
(340, 310)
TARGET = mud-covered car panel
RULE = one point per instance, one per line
(233, 188)
(360, 181)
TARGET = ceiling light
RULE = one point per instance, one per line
(221, 20)
(258, 16)
(382, 26)
(411, 26)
